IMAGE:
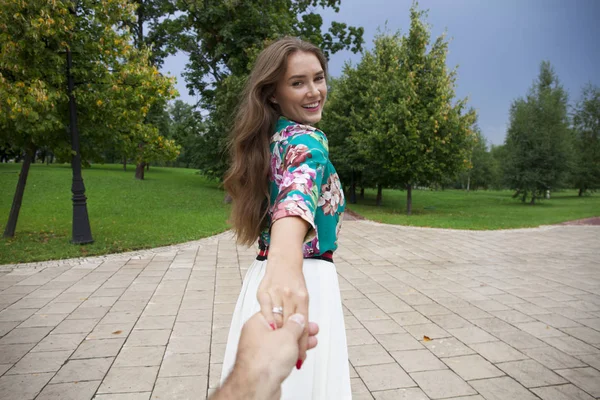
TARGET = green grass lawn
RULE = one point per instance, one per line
(172, 205)
(476, 209)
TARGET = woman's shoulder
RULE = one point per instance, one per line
(288, 131)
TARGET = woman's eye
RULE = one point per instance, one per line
(320, 78)
(296, 83)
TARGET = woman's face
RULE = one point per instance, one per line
(302, 90)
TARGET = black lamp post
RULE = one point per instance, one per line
(82, 233)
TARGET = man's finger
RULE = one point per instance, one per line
(295, 325)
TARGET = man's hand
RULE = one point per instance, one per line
(265, 358)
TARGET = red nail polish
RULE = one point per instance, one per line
(299, 364)
(272, 325)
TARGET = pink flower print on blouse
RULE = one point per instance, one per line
(297, 155)
(332, 195)
(293, 205)
(276, 166)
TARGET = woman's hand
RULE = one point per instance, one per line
(283, 284)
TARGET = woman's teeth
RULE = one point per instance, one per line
(313, 105)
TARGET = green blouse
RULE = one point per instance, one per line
(304, 183)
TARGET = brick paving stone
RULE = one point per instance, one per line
(561, 392)
(129, 379)
(83, 370)
(530, 373)
(587, 379)
(401, 394)
(384, 377)
(447, 347)
(504, 296)
(497, 352)
(180, 388)
(553, 358)
(34, 363)
(370, 354)
(418, 360)
(69, 391)
(472, 367)
(502, 388)
(22, 387)
(442, 384)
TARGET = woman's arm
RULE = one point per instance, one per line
(283, 284)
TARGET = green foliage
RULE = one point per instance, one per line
(223, 39)
(115, 83)
(538, 142)
(586, 124)
(186, 129)
(398, 107)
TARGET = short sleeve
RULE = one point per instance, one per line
(303, 165)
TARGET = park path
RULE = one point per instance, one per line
(430, 314)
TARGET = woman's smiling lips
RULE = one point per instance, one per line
(314, 106)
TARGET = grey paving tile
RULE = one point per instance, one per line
(539, 329)
(401, 394)
(43, 320)
(154, 337)
(418, 360)
(75, 326)
(587, 379)
(409, 318)
(69, 391)
(34, 363)
(588, 335)
(129, 379)
(370, 354)
(442, 384)
(22, 387)
(361, 336)
(497, 351)
(561, 392)
(502, 388)
(189, 344)
(83, 370)
(25, 335)
(430, 330)
(398, 341)
(553, 358)
(530, 373)
(593, 360)
(60, 341)
(472, 367)
(176, 364)
(11, 353)
(180, 388)
(571, 346)
(471, 335)
(384, 377)
(147, 356)
(447, 347)
(98, 348)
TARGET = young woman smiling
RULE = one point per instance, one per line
(287, 195)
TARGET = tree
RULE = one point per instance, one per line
(483, 168)
(187, 129)
(223, 39)
(538, 141)
(402, 112)
(586, 124)
(116, 85)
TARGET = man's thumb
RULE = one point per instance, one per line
(296, 324)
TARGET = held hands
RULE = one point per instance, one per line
(285, 288)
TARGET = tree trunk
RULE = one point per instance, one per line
(532, 202)
(147, 166)
(353, 190)
(13, 216)
(379, 194)
(124, 163)
(362, 193)
(408, 199)
(139, 171)
(468, 182)
(580, 192)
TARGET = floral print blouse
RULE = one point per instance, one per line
(304, 183)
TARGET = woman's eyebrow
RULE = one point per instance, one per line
(304, 76)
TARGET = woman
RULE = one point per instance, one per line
(287, 195)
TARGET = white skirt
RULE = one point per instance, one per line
(325, 374)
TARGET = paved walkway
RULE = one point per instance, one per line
(430, 314)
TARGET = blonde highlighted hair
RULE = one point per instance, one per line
(247, 180)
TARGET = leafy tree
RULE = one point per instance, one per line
(538, 141)
(186, 128)
(402, 112)
(223, 39)
(116, 85)
(586, 123)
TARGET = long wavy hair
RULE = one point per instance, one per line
(247, 180)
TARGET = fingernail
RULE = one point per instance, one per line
(272, 325)
(299, 319)
(299, 364)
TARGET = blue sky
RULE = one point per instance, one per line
(497, 45)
